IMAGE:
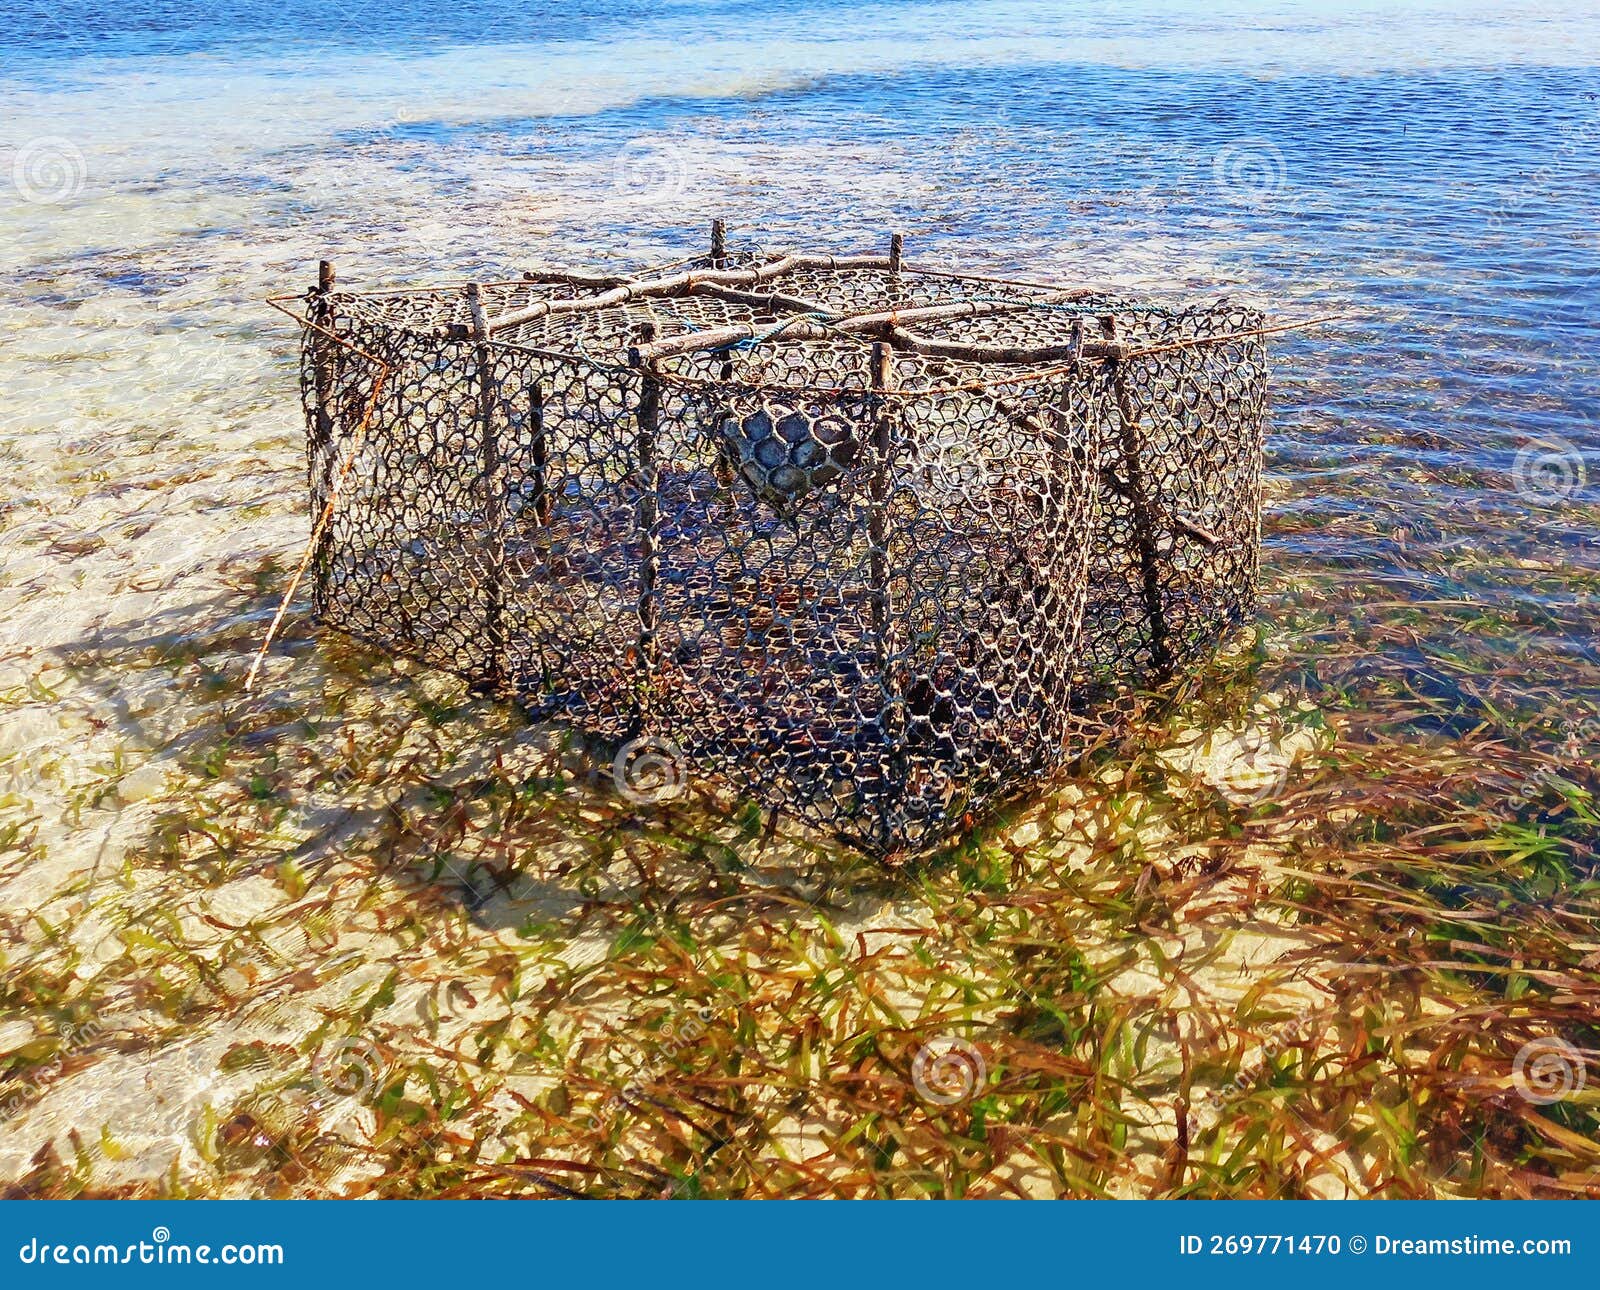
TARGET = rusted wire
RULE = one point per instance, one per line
(865, 576)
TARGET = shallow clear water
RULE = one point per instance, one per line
(1427, 174)
(1424, 173)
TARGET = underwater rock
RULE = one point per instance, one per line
(783, 453)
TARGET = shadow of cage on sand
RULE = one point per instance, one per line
(878, 544)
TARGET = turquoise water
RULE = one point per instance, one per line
(1427, 174)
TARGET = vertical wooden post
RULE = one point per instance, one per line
(1072, 477)
(539, 451)
(891, 719)
(494, 500)
(722, 469)
(1144, 516)
(320, 451)
(897, 246)
(882, 375)
(649, 416)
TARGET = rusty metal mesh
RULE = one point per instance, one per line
(874, 573)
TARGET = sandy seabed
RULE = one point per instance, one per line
(361, 932)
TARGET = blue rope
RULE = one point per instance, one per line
(750, 342)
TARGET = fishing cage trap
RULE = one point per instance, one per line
(873, 541)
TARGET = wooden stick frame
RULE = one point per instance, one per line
(494, 503)
(324, 417)
(1049, 455)
(801, 319)
(807, 320)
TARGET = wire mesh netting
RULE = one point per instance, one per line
(876, 543)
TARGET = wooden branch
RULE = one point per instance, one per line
(1198, 532)
(574, 278)
(772, 302)
(724, 284)
(494, 501)
(647, 420)
(887, 325)
(480, 325)
(1226, 337)
(1131, 443)
(882, 378)
(677, 284)
(977, 352)
(320, 528)
(322, 454)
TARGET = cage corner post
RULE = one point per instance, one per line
(320, 451)
(539, 451)
(891, 719)
(492, 473)
(647, 422)
(722, 471)
(1131, 450)
(1072, 505)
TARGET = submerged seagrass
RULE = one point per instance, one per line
(872, 541)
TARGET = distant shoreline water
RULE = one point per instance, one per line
(173, 164)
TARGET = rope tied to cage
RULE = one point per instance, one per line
(325, 518)
(754, 342)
